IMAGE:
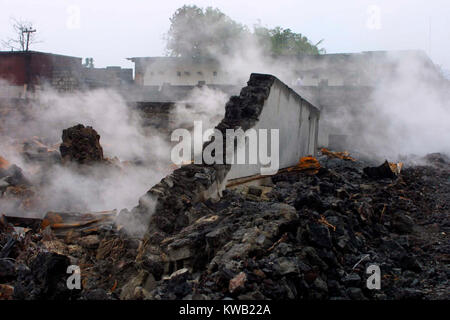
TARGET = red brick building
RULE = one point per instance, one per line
(32, 69)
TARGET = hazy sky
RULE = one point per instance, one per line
(109, 31)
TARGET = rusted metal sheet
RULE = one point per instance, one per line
(24, 222)
(63, 223)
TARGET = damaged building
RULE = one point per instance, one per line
(25, 72)
(310, 231)
(155, 71)
(30, 70)
(335, 83)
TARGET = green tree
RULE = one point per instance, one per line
(281, 42)
(197, 32)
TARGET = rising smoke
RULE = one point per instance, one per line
(144, 159)
(203, 104)
(415, 105)
(405, 115)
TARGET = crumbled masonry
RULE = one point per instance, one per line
(307, 238)
(308, 232)
(193, 183)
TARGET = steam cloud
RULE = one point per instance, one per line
(202, 104)
(105, 187)
(406, 115)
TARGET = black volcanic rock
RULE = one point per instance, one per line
(81, 145)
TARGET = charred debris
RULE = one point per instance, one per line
(309, 232)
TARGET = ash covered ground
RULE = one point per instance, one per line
(309, 234)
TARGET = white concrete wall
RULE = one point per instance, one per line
(297, 122)
(183, 73)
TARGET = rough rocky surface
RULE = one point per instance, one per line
(34, 262)
(22, 192)
(309, 234)
(81, 145)
(315, 237)
(17, 194)
(168, 200)
(311, 237)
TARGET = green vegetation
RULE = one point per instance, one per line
(197, 32)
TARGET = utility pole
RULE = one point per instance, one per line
(28, 31)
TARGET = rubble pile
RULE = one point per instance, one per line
(312, 239)
(81, 144)
(309, 232)
(37, 151)
(192, 183)
(312, 236)
(34, 260)
(16, 191)
(23, 192)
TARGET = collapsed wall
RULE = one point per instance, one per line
(265, 102)
(297, 121)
